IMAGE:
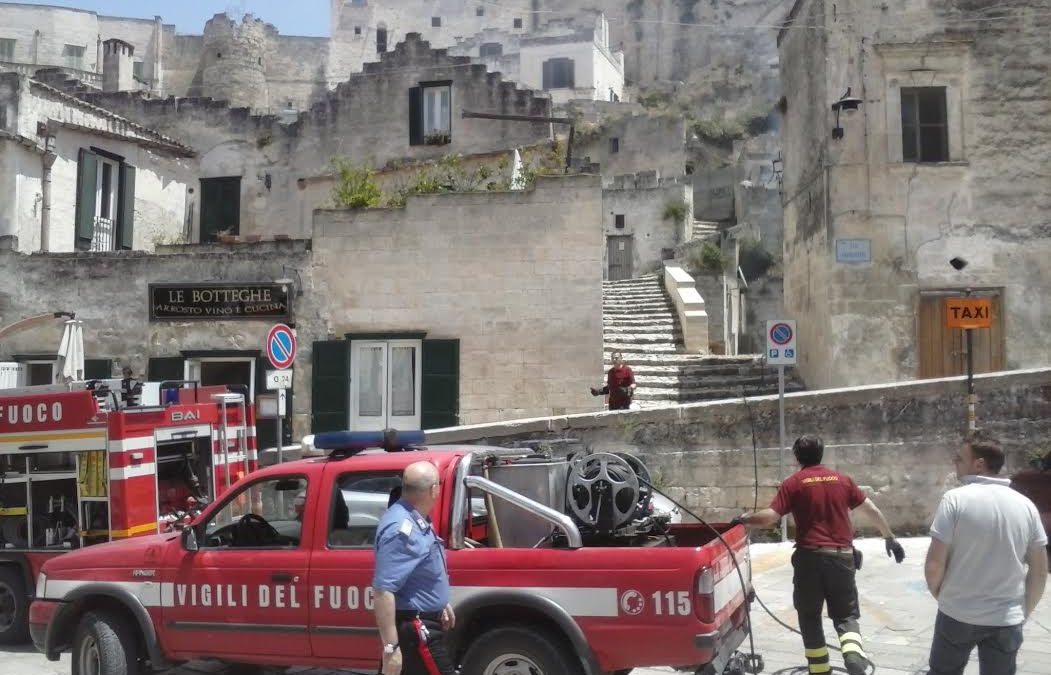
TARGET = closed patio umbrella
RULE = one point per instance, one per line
(71, 351)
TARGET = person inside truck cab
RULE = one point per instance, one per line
(411, 580)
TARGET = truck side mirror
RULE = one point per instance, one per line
(189, 539)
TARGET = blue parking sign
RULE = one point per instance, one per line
(773, 353)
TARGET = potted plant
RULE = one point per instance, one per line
(437, 138)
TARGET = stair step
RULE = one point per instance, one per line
(669, 331)
(631, 349)
(707, 394)
(694, 359)
(644, 338)
(749, 382)
(688, 371)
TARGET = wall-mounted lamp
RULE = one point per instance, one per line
(291, 281)
(847, 104)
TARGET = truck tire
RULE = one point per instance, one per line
(105, 644)
(518, 649)
(14, 607)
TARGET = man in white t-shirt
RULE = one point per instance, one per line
(987, 565)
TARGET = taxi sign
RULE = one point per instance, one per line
(968, 312)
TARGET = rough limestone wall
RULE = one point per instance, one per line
(235, 56)
(896, 441)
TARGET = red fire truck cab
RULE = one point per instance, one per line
(80, 466)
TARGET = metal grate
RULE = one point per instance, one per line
(102, 239)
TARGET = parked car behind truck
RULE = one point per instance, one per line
(257, 580)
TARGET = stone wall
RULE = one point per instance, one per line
(989, 203)
(896, 441)
(516, 277)
(643, 143)
(639, 202)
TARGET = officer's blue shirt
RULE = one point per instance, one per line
(410, 561)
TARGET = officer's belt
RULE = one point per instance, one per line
(831, 550)
(410, 614)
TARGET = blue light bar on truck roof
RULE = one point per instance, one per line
(352, 442)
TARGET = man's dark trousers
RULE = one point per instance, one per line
(821, 577)
(955, 640)
(422, 644)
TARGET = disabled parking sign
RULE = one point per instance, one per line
(781, 342)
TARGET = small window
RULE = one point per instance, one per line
(559, 74)
(136, 70)
(614, 146)
(7, 49)
(618, 221)
(430, 114)
(358, 504)
(381, 40)
(265, 514)
(357, 30)
(40, 372)
(73, 56)
(479, 11)
(518, 23)
(491, 50)
(924, 126)
(436, 22)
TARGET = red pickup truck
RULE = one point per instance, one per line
(561, 563)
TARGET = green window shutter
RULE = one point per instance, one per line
(126, 210)
(548, 75)
(416, 116)
(441, 384)
(164, 368)
(330, 387)
(87, 184)
(98, 369)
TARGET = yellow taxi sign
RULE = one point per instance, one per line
(968, 312)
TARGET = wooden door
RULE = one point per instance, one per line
(943, 351)
(619, 252)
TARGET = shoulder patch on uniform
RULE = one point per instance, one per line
(405, 527)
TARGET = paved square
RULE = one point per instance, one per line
(897, 619)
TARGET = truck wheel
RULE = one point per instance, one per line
(14, 607)
(104, 644)
(516, 650)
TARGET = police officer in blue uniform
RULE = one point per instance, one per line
(411, 581)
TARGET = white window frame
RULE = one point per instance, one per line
(385, 419)
(192, 369)
(114, 188)
(54, 368)
(433, 110)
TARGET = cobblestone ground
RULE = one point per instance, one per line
(897, 621)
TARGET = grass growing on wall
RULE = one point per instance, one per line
(355, 187)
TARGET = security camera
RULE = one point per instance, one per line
(958, 263)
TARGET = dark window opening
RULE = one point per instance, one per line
(220, 207)
(618, 221)
(924, 125)
(136, 69)
(218, 55)
(106, 191)
(518, 23)
(436, 22)
(491, 50)
(479, 11)
(357, 30)
(614, 146)
(381, 40)
(559, 74)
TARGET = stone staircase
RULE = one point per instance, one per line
(703, 229)
(639, 320)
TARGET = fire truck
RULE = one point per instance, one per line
(85, 463)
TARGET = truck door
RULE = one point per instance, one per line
(245, 590)
(342, 623)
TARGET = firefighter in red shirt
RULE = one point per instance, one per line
(620, 384)
(820, 500)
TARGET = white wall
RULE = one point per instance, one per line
(50, 28)
(594, 72)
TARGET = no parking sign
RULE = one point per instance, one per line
(781, 342)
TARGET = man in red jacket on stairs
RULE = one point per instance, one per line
(620, 384)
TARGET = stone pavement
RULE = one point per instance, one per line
(897, 621)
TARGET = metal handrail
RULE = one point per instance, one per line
(556, 518)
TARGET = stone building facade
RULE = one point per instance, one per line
(254, 169)
(945, 158)
(644, 218)
(469, 308)
(78, 177)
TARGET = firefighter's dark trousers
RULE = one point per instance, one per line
(822, 577)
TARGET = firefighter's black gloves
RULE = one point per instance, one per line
(894, 549)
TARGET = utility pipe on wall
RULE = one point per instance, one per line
(47, 161)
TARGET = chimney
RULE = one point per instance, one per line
(117, 67)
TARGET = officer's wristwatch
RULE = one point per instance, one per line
(390, 648)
